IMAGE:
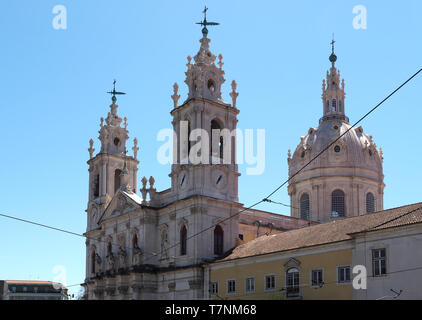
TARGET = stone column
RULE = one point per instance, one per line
(103, 185)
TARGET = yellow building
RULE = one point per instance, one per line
(314, 262)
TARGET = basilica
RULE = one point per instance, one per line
(155, 244)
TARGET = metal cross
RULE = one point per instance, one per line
(332, 44)
(205, 23)
(114, 92)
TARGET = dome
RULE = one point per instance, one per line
(353, 150)
(330, 180)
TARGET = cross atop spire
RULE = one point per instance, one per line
(205, 23)
(333, 57)
(114, 92)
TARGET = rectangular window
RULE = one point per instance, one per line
(250, 284)
(270, 282)
(214, 288)
(231, 286)
(379, 262)
(343, 274)
(317, 278)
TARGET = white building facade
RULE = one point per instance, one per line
(393, 260)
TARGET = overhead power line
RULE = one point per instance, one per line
(338, 138)
(59, 229)
(266, 199)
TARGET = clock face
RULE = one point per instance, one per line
(219, 179)
(183, 179)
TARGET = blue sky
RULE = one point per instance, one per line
(54, 85)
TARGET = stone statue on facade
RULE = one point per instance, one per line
(111, 261)
(137, 254)
(98, 262)
(164, 245)
(122, 257)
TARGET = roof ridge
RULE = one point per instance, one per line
(354, 217)
(405, 205)
(393, 219)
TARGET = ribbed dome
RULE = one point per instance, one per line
(354, 150)
(346, 179)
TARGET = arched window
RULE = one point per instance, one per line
(339, 106)
(211, 86)
(328, 106)
(93, 260)
(292, 282)
(117, 179)
(97, 185)
(370, 203)
(337, 204)
(304, 206)
(216, 140)
(218, 240)
(333, 105)
(183, 240)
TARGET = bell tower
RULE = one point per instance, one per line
(204, 127)
(111, 164)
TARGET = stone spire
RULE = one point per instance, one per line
(124, 177)
(112, 136)
(204, 78)
(333, 94)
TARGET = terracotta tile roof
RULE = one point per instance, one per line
(329, 232)
(406, 219)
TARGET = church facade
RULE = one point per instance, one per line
(157, 244)
(154, 245)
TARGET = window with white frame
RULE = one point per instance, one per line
(292, 282)
(317, 277)
(270, 282)
(379, 267)
(343, 274)
(250, 284)
(214, 288)
(231, 286)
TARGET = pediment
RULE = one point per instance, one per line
(120, 204)
(292, 263)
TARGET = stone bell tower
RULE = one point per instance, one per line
(111, 164)
(204, 125)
